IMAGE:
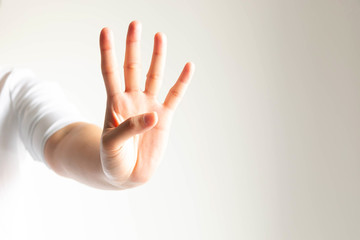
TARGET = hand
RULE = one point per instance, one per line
(136, 124)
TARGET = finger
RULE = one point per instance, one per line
(177, 91)
(132, 57)
(109, 66)
(131, 127)
(154, 76)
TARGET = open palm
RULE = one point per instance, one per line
(136, 124)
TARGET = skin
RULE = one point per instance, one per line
(129, 148)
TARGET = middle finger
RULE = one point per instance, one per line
(132, 57)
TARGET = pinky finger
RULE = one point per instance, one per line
(176, 93)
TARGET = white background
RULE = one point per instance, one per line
(265, 145)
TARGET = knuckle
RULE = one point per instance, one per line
(175, 93)
(132, 41)
(131, 123)
(108, 69)
(108, 72)
(157, 53)
(153, 76)
(132, 66)
(141, 121)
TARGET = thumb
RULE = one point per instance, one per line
(131, 127)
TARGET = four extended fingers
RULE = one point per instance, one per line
(177, 91)
(132, 66)
(132, 57)
(155, 73)
(109, 66)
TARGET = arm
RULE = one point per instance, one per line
(127, 151)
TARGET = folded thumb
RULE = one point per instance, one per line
(133, 126)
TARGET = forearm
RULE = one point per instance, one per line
(74, 152)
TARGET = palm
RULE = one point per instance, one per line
(142, 148)
(131, 149)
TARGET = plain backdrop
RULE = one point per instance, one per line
(265, 145)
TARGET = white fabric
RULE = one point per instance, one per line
(31, 111)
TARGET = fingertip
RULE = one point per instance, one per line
(190, 66)
(134, 32)
(187, 72)
(189, 69)
(150, 119)
(135, 25)
(160, 37)
(106, 36)
(134, 22)
(104, 30)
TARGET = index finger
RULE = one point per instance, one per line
(109, 66)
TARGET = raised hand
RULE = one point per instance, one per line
(137, 125)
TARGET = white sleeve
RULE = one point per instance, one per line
(41, 109)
